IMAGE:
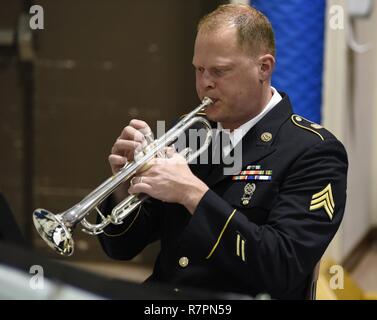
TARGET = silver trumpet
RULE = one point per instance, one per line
(56, 229)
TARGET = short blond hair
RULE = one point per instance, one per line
(254, 30)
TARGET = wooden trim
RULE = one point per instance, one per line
(353, 258)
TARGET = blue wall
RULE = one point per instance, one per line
(299, 34)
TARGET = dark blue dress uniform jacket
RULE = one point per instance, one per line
(269, 244)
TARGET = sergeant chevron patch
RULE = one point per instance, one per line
(323, 199)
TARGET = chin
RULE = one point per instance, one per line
(216, 117)
(213, 113)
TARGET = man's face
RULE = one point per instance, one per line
(229, 76)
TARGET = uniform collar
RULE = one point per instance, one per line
(272, 122)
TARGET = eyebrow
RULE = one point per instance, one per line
(218, 66)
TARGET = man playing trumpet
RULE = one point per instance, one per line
(262, 229)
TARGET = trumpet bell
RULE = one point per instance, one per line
(53, 231)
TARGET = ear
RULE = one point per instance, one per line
(266, 66)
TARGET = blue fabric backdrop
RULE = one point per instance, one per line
(299, 33)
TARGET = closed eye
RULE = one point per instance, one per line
(218, 72)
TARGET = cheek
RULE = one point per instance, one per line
(232, 91)
(198, 86)
(198, 91)
(248, 87)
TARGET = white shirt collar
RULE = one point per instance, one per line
(237, 134)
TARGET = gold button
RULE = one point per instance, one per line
(245, 202)
(266, 136)
(183, 262)
(298, 118)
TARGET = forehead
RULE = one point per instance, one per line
(219, 46)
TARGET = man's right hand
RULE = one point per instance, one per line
(130, 141)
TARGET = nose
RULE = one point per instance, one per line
(206, 82)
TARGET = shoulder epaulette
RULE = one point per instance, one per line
(308, 125)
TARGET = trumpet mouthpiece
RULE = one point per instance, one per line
(207, 101)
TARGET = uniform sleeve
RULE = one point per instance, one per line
(279, 255)
(140, 228)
